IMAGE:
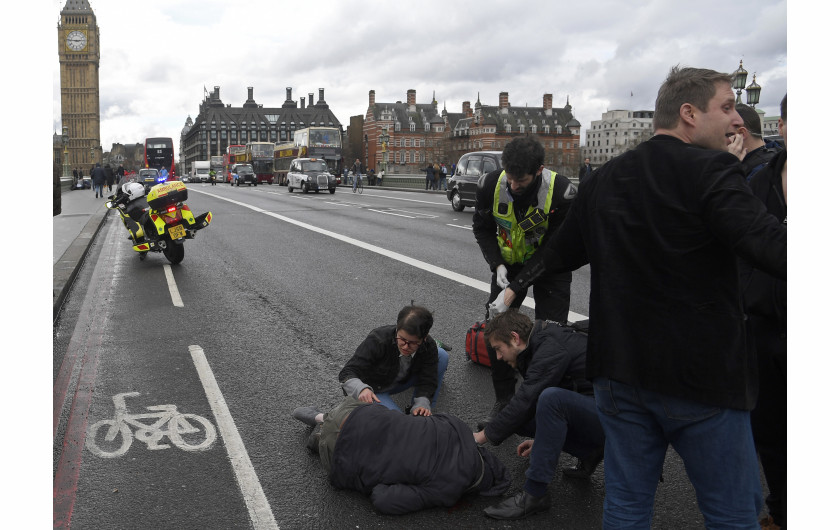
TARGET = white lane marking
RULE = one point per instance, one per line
(460, 226)
(428, 267)
(418, 214)
(389, 213)
(368, 194)
(249, 485)
(173, 287)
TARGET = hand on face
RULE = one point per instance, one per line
(736, 145)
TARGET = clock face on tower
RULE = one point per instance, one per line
(76, 40)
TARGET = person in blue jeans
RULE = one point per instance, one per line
(553, 404)
(395, 358)
(566, 421)
(669, 354)
(391, 360)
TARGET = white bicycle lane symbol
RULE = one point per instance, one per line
(189, 432)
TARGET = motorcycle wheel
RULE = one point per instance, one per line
(174, 253)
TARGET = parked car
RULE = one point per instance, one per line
(461, 187)
(148, 177)
(310, 174)
(242, 174)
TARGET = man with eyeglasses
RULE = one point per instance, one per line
(755, 152)
(393, 359)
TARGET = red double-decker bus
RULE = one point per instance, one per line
(230, 158)
(261, 157)
(159, 154)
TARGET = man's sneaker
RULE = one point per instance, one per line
(442, 345)
(314, 439)
(497, 407)
(585, 466)
(306, 415)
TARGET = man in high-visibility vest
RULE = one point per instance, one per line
(516, 210)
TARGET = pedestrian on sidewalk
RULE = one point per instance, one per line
(98, 178)
(109, 177)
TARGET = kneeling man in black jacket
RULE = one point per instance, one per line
(554, 405)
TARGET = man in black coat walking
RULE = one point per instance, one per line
(98, 178)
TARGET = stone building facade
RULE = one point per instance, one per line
(615, 133)
(216, 126)
(78, 57)
(419, 134)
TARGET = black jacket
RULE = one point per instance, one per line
(555, 356)
(484, 224)
(376, 362)
(661, 227)
(406, 463)
(757, 159)
(97, 175)
(765, 297)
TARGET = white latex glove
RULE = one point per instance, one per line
(501, 276)
(498, 305)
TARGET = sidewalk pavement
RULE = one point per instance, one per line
(74, 229)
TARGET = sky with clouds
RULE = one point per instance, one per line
(158, 56)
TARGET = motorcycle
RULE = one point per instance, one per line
(164, 225)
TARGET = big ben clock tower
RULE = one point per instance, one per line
(78, 57)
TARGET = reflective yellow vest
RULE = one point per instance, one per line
(519, 240)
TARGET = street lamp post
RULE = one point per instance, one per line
(740, 81)
(753, 93)
(65, 139)
(383, 139)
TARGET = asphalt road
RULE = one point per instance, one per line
(277, 293)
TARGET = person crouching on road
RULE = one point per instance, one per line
(554, 405)
(428, 461)
(393, 359)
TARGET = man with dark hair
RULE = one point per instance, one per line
(517, 208)
(405, 463)
(661, 226)
(755, 152)
(765, 302)
(391, 360)
(553, 405)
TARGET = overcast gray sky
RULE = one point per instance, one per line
(159, 55)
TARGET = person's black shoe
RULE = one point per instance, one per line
(306, 415)
(518, 506)
(585, 466)
(497, 407)
(314, 438)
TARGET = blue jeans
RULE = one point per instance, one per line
(566, 421)
(716, 446)
(97, 189)
(385, 396)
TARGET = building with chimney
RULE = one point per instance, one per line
(416, 134)
(490, 128)
(217, 125)
(420, 135)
